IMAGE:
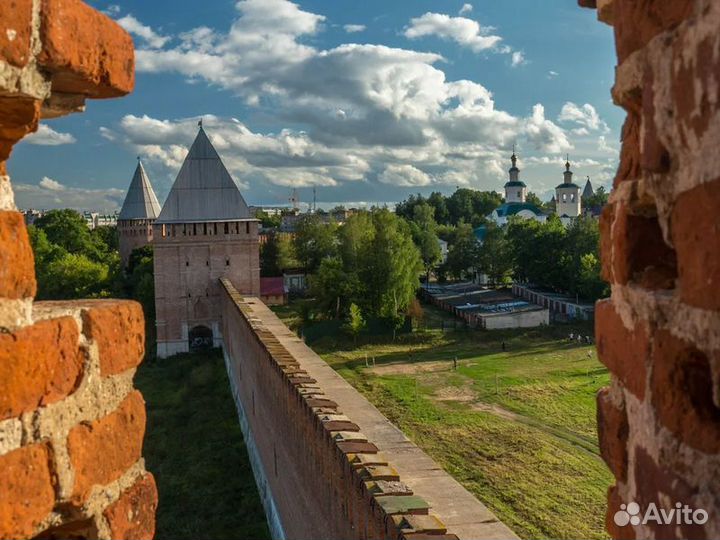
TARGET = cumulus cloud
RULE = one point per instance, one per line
(361, 112)
(52, 185)
(352, 28)
(466, 8)
(48, 194)
(464, 31)
(543, 134)
(606, 148)
(47, 136)
(147, 34)
(404, 175)
(585, 116)
(518, 59)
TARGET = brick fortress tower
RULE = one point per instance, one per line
(204, 232)
(138, 213)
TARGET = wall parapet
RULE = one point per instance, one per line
(71, 423)
(329, 463)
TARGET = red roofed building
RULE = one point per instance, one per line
(272, 291)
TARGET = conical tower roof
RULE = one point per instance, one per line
(140, 201)
(588, 191)
(203, 189)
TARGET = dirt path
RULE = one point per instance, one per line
(465, 394)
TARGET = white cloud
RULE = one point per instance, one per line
(352, 28)
(552, 74)
(465, 32)
(606, 148)
(360, 111)
(49, 193)
(543, 134)
(404, 175)
(585, 116)
(518, 59)
(466, 8)
(147, 34)
(47, 136)
(52, 185)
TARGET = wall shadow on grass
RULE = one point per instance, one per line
(195, 449)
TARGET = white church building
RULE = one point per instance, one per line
(515, 200)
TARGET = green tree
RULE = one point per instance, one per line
(68, 229)
(270, 257)
(597, 200)
(268, 221)
(389, 269)
(533, 199)
(439, 203)
(423, 227)
(314, 241)
(75, 276)
(463, 253)
(590, 285)
(495, 255)
(356, 322)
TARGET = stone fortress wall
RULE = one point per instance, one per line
(328, 463)
(71, 424)
(659, 333)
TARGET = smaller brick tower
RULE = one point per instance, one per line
(138, 213)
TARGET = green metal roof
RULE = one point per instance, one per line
(515, 183)
(510, 209)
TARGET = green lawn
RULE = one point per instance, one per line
(516, 427)
(195, 449)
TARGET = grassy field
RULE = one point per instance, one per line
(195, 449)
(516, 426)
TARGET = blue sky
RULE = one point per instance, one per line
(365, 101)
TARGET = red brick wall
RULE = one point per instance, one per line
(326, 478)
(659, 333)
(71, 424)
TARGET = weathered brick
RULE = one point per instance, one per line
(118, 328)
(17, 263)
(637, 22)
(15, 31)
(101, 451)
(629, 166)
(27, 493)
(614, 502)
(623, 351)
(696, 234)
(640, 253)
(613, 434)
(86, 51)
(606, 220)
(693, 86)
(132, 516)
(20, 116)
(682, 393)
(654, 156)
(660, 485)
(40, 364)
